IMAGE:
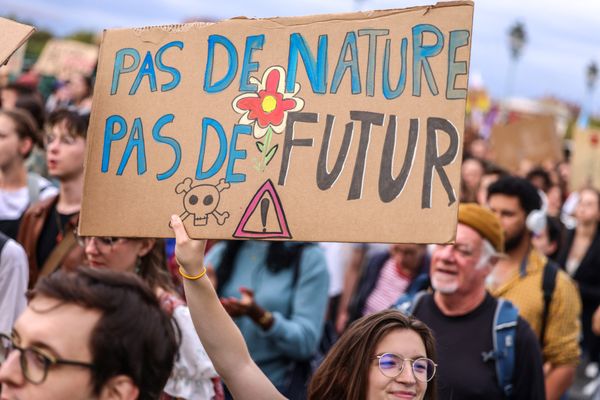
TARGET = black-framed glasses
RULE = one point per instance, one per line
(100, 241)
(391, 365)
(35, 363)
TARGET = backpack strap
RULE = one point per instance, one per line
(504, 331)
(33, 187)
(548, 285)
(408, 302)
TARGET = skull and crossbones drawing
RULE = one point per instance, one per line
(200, 201)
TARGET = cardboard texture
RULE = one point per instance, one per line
(532, 140)
(14, 34)
(14, 65)
(585, 163)
(341, 127)
(62, 58)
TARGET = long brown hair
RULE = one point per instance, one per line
(344, 374)
(153, 267)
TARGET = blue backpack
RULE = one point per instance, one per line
(504, 332)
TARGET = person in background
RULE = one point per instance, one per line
(88, 335)
(193, 373)
(382, 355)
(47, 230)
(18, 188)
(519, 278)
(461, 314)
(548, 241)
(540, 178)
(581, 257)
(74, 94)
(10, 94)
(277, 294)
(492, 174)
(359, 257)
(14, 274)
(387, 276)
(472, 171)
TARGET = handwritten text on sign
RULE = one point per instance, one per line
(242, 104)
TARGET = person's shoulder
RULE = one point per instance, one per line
(40, 207)
(565, 285)
(47, 188)
(13, 255)
(527, 342)
(313, 256)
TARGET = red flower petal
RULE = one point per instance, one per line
(272, 81)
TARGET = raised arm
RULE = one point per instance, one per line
(218, 333)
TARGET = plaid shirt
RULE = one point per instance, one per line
(563, 328)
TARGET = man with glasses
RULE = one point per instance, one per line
(462, 316)
(89, 334)
(47, 228)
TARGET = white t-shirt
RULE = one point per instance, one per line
(14, 276)
(193, 370)
(13, 203)
(337, 256)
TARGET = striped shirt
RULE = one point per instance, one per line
(390, 285)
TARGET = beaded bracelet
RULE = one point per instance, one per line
(191, 277)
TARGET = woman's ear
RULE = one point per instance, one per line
(147, 245)
(25, 146)
(120, 387)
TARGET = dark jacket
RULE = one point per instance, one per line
(370, 276)
(587, 274)
(29, 234)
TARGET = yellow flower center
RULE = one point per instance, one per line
(268, 104)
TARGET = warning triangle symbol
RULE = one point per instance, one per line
(257, 221)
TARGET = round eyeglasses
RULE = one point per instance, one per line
(35, 363)
(391, 365)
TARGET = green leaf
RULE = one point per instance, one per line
(268, 138)
(271, 154)
(260, 146)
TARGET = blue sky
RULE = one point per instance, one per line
(564, 37)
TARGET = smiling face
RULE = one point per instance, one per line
(409, 345)
(454, 267)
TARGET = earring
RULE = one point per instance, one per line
(138, 263)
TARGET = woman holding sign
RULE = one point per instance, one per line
(193, 376)
(385, 355)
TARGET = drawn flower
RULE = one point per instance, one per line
(268, 107)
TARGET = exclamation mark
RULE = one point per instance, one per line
(264, 208)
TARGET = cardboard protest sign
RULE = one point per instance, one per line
(532, 139)
(585, 159)
(62, 58)
(324, 128)
(14, 65)
(14, 34)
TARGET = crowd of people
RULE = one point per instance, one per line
(508, 311)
